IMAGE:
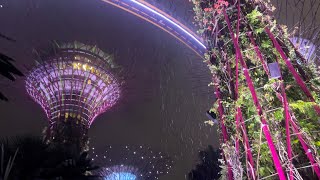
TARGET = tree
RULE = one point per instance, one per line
(267, 91)
(208, 168)
(38, 160)
(7, 69)
(70, 168)
(6, 164)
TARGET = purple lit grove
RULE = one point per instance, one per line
(73, 87)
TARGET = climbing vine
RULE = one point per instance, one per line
(268, 95)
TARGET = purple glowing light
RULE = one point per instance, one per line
(73, 84)
(120, 172)
(155, 16)
(141, 161)
(306, 48)
(170, 21)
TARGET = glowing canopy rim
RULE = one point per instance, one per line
(74, 83)
(120, 172)
(141, 161)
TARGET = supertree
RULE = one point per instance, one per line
(131, 163)
(73, 85)
(267, 90)
(302, 20)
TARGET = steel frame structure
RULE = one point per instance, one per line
(232, 27)
(73, 87)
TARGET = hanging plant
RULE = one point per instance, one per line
(257, 110)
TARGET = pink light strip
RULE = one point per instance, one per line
(306, 149)
(265, 128)
(290, 66)
(223, 128)
(302, 85)
(169, 20)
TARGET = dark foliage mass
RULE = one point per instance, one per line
(7, 69)
(37, 160)
(208, 168)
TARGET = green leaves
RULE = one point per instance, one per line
(253, 17)
(302, 106)
(269, 96)
(266, 43)
(259, 30)
(278, 114)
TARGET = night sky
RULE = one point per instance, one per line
(164, 99)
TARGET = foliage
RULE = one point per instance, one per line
(7, 69)
(208, 168)
(5, 169)
(221, 58)
(36, 159)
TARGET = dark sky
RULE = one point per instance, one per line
(166, 93)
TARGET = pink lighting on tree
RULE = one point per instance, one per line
(76, 83)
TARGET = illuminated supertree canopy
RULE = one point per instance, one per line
(73, 86)
(131, 163)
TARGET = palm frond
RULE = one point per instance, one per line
(8, 167)
(7, 69)
(6, 37)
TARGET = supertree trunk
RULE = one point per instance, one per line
(267, 92)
